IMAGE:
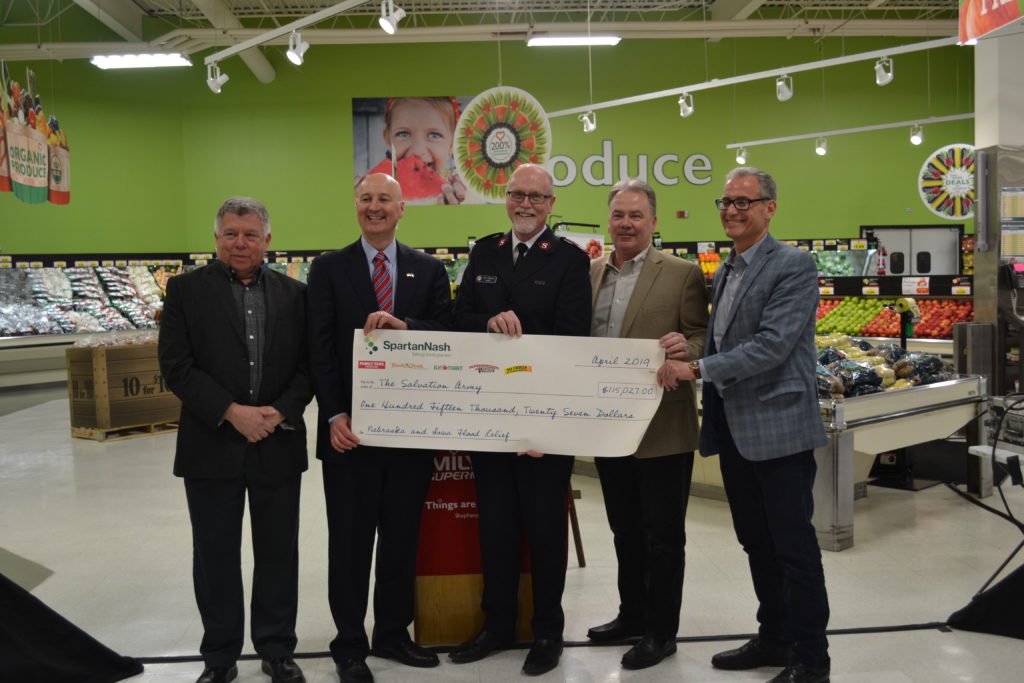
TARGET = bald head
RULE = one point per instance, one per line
(379, 206)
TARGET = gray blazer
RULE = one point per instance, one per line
(764, 372)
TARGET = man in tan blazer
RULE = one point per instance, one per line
(641, 293)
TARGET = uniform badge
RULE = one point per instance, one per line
(503, 241)
(545, 245)
(487, 279)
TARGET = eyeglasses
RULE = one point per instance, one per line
(741, 203)
(535, 197)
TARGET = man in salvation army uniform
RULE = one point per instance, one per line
(525, 281)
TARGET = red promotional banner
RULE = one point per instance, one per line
(979, 17)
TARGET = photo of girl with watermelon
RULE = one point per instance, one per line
(416, 137)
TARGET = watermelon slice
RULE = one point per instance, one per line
(420, 184)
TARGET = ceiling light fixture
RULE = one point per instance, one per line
(821, 147)
(296, 48)
(589, 122)
(569, 41)
(741, 156)
(784, 87)
(142, 61)
(916, 134)
(390, 16)
(685, 104)
(215, 79)
(883, 71)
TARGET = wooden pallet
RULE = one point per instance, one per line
(120, 433)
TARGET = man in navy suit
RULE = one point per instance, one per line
(525, 281)
(232, 348)
(761, 418)
(374, 283)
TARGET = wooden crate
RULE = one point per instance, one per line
(113, 387)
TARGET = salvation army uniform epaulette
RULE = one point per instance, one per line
(569, 241)
(490, 237)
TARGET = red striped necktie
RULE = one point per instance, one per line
(382, 284)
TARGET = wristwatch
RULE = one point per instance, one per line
(695, 368)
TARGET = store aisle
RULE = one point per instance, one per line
(109, 522)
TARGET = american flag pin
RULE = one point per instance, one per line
(410, 274)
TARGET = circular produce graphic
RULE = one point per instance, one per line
(501, 129)
(946, 182)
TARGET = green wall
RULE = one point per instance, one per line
(155, 152)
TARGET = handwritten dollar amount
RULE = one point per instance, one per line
(617, 390)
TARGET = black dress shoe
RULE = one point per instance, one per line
(543, 656)
(218, 674)
(408, 653)
(616, 629)
(481, 645)
(801, 673)
(283, 670)
(751, 655)
(354, 671)
(648, 652)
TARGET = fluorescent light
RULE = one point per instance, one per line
(883, 71)
(916, 134)
(390, 16)
(784, 87)
(589, 122)
(215, 79)
(741, 156)
(685, 104)
(821, 147)
(563, 41)
(296, 48)
(139, 61)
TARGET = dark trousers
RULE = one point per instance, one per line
(645, 499)
(772, 503)
(216, 507)
(373, 492)
(517, 494)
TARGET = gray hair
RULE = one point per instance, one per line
(241, 206)
(768, 188)
(635, 185)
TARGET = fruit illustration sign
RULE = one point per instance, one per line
(946, 182)
(978, 17)
(35, 164)
(500, 130)
(410, 139)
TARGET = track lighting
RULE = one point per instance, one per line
(741, 156)
(214, 78)
(390, 16)
(685, 104)
(916, 134)
(589, 122)
(821, 147)
(784, 87)
(883, 71)
(139, 61)
(296, 48)
(572, 41)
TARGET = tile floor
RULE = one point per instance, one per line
(109, 521)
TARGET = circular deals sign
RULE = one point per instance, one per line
(501, 129)
(946, 182)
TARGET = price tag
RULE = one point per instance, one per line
(108, 264)
(86, 264)
(281, 259)
(961, 290)
(60, 264)
(916, 285)
(858, 244)
(869, 290)
(705, 247)
(298, 259)
(826, 290)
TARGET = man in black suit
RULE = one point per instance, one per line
(232, 348)
(376, 282)
(525, 281)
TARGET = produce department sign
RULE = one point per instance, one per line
(35, 164)
(946, 182)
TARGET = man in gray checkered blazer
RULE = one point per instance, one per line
(761, 418)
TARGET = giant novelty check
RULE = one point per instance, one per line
(490, 392)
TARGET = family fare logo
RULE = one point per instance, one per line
(483, 367)
(518, 368)
(372, 365)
